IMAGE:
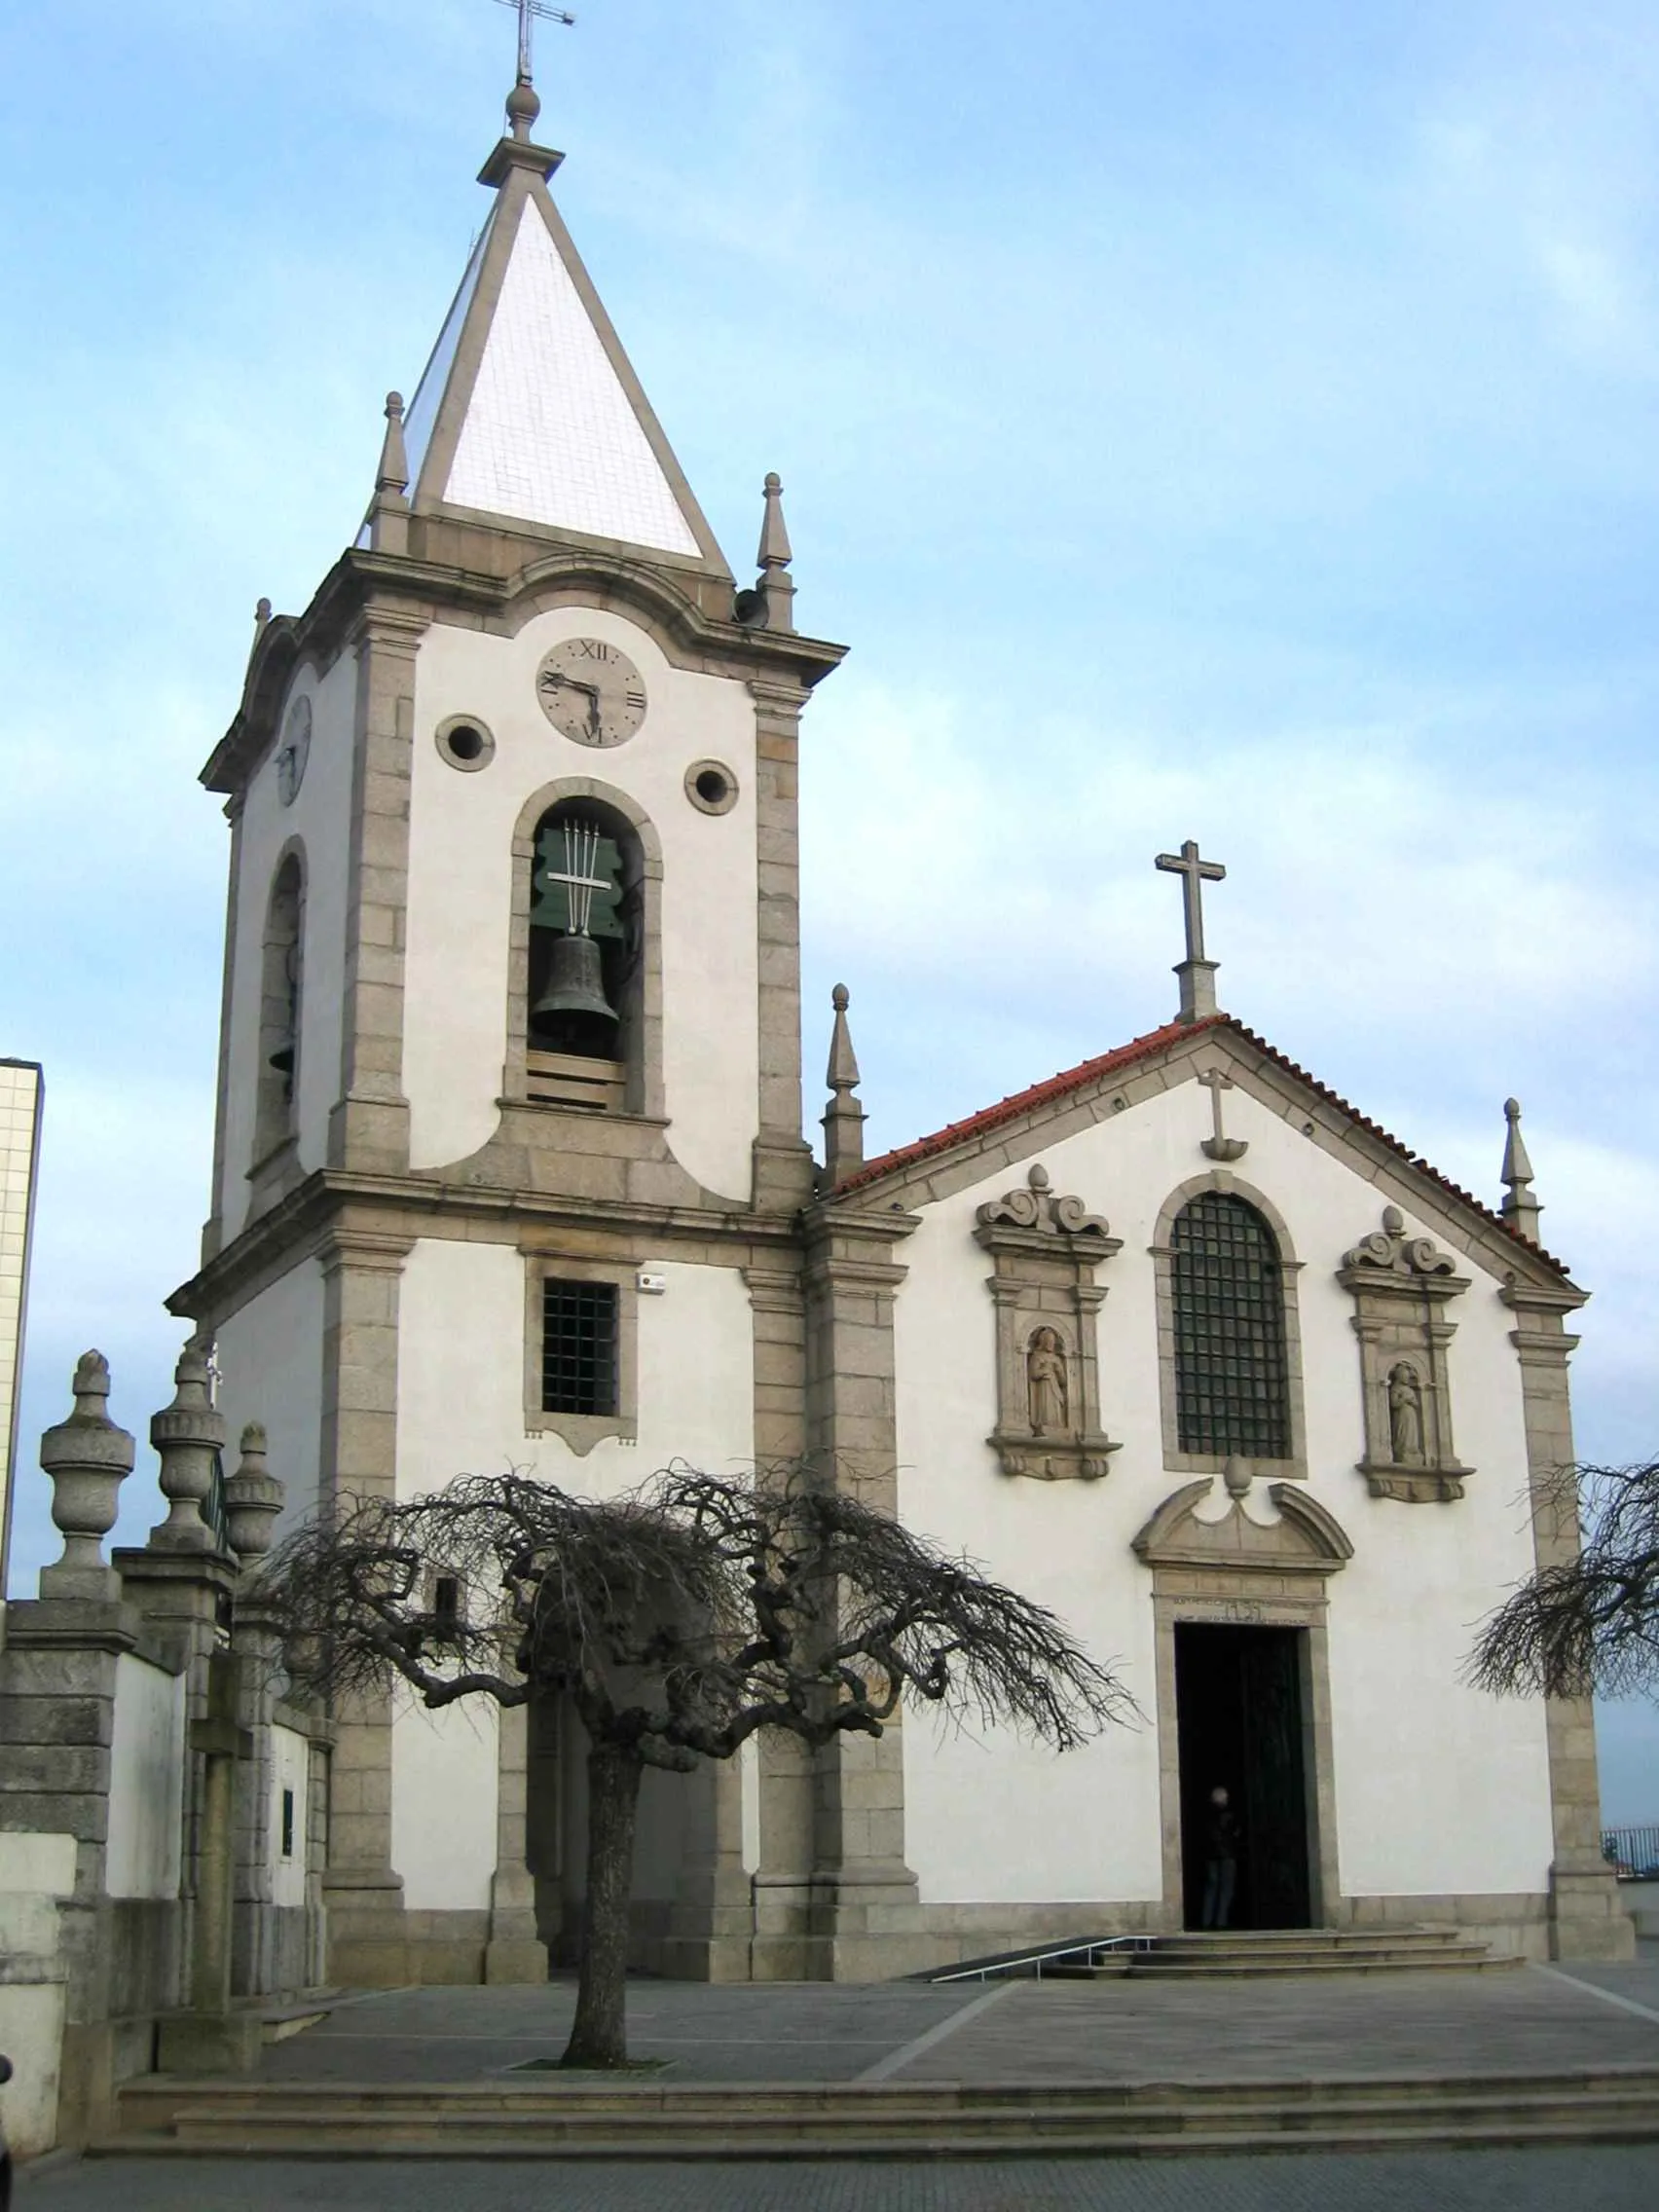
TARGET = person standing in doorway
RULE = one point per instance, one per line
(1220, 1859)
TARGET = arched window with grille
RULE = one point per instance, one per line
(1228, 1292)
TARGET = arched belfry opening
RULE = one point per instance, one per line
(583, 1032)
(281, 958)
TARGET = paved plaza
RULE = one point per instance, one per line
(1529, 2020)
(1457, 2181)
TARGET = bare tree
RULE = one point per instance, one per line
(680, 1619)
(1588, 1619)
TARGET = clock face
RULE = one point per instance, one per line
(591, 691)
(293, 752)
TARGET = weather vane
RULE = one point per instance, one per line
(527, 10)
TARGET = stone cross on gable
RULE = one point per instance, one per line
(1196, 973)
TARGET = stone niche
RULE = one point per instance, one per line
(1044, 1252)
(1401, 1286)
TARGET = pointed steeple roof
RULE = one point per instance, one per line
(529, 411)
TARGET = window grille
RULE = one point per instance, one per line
(1231, 1388)
(578, 1347)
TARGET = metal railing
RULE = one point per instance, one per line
(1633, 1852)
(1087, 1953)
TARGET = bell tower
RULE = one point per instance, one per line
(509, 1148)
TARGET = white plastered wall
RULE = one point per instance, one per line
(290, 1769)
(1439, 1789)
(460, 1375)
(36, 1873)
(460, 878)
(443, 1804)
(461, 1411)
(320, 818)
(146, 1782)
(270, 1359)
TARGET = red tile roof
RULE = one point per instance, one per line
(1147, 1048)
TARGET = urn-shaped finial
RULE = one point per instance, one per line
(87, 1459)
(188, 1436)
(253, 1498)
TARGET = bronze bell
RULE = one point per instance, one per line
(576, 983)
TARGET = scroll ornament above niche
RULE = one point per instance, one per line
(1391, 1248)
(1044, 1251)
(1037, 1207)
(1401, 1286)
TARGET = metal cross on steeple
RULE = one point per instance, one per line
(527, 10)
(1196, 973)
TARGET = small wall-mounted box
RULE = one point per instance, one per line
(650, 1283)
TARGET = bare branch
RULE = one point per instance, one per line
(1587, 1620)
(682, 1617)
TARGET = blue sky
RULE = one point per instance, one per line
(1233, 420)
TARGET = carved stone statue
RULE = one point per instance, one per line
(1405, 1416)
(1045, 1386)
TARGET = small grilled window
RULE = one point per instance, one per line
(578, 1347)
(446, 1606)
(1232, 1386)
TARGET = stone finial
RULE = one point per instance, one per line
(1237, 1476)
(770, 605)
(253, 1498)
(1520, 1208)
(261, 615)
(188, 1436)
(389, 516)
(844, 1116)
(87, 1459)
(393, 472)
(774, 550)
(524, 106)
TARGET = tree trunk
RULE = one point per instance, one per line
(600, 2036)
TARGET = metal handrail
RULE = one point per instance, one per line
(1632, 1851)
(1014, 1962)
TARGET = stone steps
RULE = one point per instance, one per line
(1277, 1952)
(581, 2119)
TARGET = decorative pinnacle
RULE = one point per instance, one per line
(844, 1116)
(774, 550)
(842, 1073)
(261, 615)
(392, 475)
(1520, 1207)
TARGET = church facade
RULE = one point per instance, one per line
(510, 1171)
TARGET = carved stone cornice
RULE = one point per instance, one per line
(517, 571)
(298, 1225)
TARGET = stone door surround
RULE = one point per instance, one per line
(1241, 1570)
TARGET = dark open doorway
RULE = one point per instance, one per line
(1238, 1702)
